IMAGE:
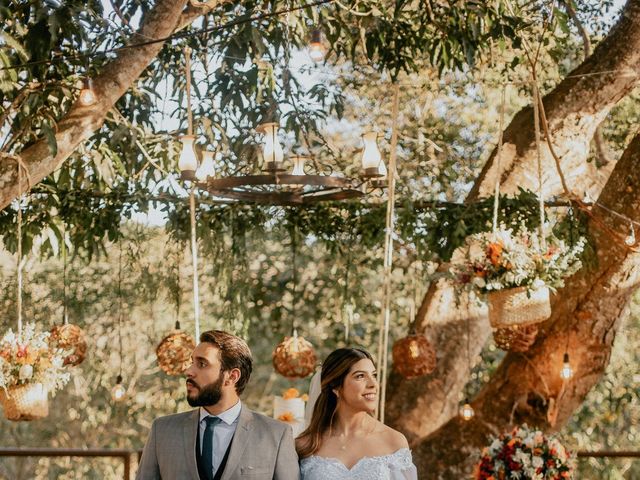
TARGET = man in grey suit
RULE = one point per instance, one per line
(222, 439)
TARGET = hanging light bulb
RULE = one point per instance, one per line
(298, 165)
(271, 150)
(118, 392)
(317, 50)
(467, 412)
(371, 157)
(87, 95)
(188, 163)
(567, 372)
(207, 168)
(631, 238)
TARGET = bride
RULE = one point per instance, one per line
(343, 439)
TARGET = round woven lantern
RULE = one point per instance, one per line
(518, 306)
(414, 356)
(515, 339)
(294, 357)
(174, 352)
(71, 338)
(25, 402)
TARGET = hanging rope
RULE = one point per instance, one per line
(383, 343)
(19, 265)
(120, 309)
(496, 195)
(194, 259)
(294, 279)
(187, 57)
(65, 317)
(536, 121)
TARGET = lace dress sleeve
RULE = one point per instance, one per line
(402, 467)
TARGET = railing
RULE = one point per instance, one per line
(126, 455)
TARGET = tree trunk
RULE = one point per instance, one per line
(587, 313)
(116, 78)
(574, 109)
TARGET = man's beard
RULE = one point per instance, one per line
(207, 395)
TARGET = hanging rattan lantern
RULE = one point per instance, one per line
(71, 338)
(515, 339)
(413, 356)
(294, 357)
(174, 352)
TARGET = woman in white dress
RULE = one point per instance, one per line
(343, 439)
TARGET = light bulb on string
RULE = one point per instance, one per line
(567, 372)
(271, 149)
(317, 50)
(207, 168)
(467, 412)
(371, 157)
(87, 95)
(631, 238)
(188, 163)
(118, 392)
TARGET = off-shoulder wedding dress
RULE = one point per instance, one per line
(395, 466)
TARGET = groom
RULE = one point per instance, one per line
(222, 439)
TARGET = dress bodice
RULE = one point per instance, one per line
(395, 466)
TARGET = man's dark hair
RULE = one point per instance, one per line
(234, 353)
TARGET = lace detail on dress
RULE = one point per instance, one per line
(397, 465)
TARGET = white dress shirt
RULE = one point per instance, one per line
(223, 432)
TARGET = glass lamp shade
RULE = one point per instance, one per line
(382, 181)
(87, 95)
(567, 372)
(317, 50)
(631, 238)
(118, 392)
(371, 157)
(271, 149)
(188, 163)
(466, 412)
(298, 165)
(207, 168)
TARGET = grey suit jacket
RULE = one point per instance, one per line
(262, 448)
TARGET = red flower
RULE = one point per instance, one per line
(22, 351)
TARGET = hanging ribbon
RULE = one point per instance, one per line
(19, 265)
(496, 195)
(194, 259)
(536, 120)
(383, 343)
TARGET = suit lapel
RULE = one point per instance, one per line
(190, 432)
(239, 442)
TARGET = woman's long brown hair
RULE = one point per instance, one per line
(334, 370)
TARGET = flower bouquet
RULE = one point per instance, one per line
(525, 454)
(30, 368)
(516, 273)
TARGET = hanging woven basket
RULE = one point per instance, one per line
(71, 338)
(515, 339)
(174, 352)
(25, 402)
(294, 357)
(518, 306)
(413, 356)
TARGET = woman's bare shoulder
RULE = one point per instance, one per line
(393, 438)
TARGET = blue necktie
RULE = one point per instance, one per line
(207, 445)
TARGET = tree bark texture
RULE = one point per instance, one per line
(587, 312)
(116, 78)
(574, 109)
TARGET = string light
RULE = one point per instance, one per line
(317, 50)
(631, 238)
(567, 372)
(467, 412)
(87, 95)
(118, 392)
